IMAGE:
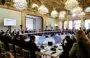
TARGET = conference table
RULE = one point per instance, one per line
(48, 53)
(46, 32)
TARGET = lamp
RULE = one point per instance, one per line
(54, 13)
(87, 9)
(43, 10)
(76, 10)
(20, 4)
(74, 15)
(70, 4)
(82, 14)
(62, 15)
(63, 12)
(34, 5)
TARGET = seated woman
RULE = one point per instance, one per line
(80, 49)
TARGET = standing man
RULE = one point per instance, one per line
(32, 47)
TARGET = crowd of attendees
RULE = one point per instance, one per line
(76, 46)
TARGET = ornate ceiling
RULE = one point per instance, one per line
(84, 3)
(50, 4)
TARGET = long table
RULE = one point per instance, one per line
(49, 53)
(47, 32)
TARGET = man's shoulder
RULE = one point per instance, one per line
(75, 44)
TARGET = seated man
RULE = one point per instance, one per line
(32, 47)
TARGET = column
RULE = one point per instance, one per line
(73, 24)
(60, 25)
(23, 21)
(52, 22)
(67, 23)
(82, 23)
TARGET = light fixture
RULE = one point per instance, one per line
(43, 9)
(62, 14)
(34, 5)
(82, 14)
(70, 4)
(56, 24)
(76, 10)
(87, 9)
(54, 13)
(74, 15)
(20, 4)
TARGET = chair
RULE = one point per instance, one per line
(11, 47)
(26, 53)
(18, 51)
(2, 47)
(38, 54)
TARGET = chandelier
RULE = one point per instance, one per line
(74, 15)
(34, 5)
(20, 4)
(76, 10)
(87, 9)
(70, 4)
(62, 14)
(43, 9)
(54, 13)
(82, 14)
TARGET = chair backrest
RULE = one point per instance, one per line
(26, 53)
(1, 44)
(10, 47)
(2, 55)
(17, 49)
(2, 47)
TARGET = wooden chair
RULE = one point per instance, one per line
(18, 51)
(2, 47)
(26, 53)
(11, 47)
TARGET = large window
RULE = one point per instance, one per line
(87, 24)
(60, 25)
(77, 24)
(34, 22)
(65, 24)
(87, 9)
(70, 25)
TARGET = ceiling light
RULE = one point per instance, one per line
(34, 5)
(43, 10)
(74, 15)
(54, 13)
(76, 10)
(87, 9)
(70, 4)
(62, 15)
(63, 12)
(20, 4)
(82, 14)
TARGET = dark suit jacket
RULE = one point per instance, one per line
(23, 44)
(6, 39)
(32, 48)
